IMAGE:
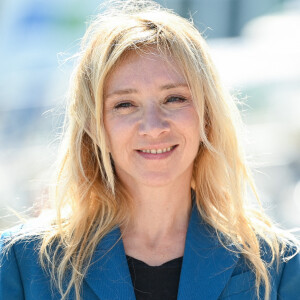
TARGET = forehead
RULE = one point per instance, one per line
(145, 66)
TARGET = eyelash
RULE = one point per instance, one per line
(127, 105)
(180, 98)
(123, 105)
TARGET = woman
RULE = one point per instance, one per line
(150, 197)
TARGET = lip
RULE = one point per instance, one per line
(152, 156)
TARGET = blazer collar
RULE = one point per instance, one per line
(108, 274)
(206, 266)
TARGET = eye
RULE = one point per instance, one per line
(176, 99)
(123, 105)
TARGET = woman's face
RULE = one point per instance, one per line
(150, 120)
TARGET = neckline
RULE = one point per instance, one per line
(167, 263)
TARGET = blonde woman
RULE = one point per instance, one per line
(149, 198)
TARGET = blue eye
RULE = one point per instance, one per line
(176, 99)
(123, 105)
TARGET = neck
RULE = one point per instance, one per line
(158, 225)
(159, 212)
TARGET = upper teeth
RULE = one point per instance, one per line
(156, 151)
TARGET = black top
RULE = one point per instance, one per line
(155, 282)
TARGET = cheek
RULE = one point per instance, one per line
(189, 121)
(119, 132)
(192, 131)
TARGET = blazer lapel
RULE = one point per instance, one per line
(207, 265)
(108, 275)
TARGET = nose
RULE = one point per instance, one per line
(154, 121)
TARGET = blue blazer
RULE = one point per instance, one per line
(209, 271)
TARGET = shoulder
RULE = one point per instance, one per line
(10, 277)
(21, 274)
(284, 273)
(286, 267)
(19, 244)
(20, 248)
(13, 260)
(19, 236)
(289, 277)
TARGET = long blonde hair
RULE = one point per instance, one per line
(89, 199)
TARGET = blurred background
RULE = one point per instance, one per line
(256, 48)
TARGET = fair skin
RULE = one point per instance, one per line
(148, 108)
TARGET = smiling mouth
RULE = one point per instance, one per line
(158, 151)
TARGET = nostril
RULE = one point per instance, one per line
(154, 132)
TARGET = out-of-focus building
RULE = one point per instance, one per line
(222, 18)
(255, 45)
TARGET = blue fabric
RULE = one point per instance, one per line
(209, 271)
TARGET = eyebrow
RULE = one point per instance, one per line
(134, 91)
(173, 86)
